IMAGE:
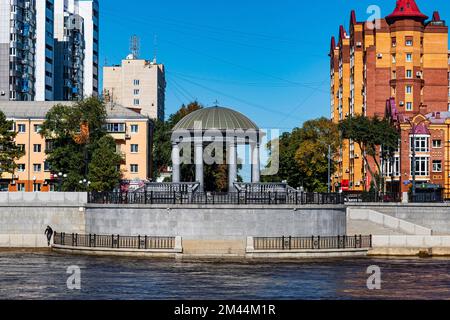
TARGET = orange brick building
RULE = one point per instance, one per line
(404, 56)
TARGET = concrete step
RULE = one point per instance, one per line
(383, 223)
(367, 227)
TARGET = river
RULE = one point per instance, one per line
(44, 276)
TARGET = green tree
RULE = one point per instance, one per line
(9, 151)
(303, 155)
(71, 148)
(312, 153)
(103, 168)
(372, 135)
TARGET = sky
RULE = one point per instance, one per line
(267, 59)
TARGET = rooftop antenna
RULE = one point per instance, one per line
(135, 46)
(155, 48)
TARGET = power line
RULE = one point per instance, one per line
(260, 107)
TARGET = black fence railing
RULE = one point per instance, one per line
(313, 243)
(113, 241)
(241, 197)
(433, 197)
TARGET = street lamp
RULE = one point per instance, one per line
(60, 177)
(85, 183)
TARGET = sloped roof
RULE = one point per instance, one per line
(406, 9)
(218, 118)
(38, 110)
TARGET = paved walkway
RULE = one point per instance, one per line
(367, 227)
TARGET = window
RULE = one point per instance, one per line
(37, 167)
(394, 42)
(408, 89)
(421, 166)
(437, 143)
(37, 187)
(47, 166)
(421, 143)
(394, 164)
(409, 74)
(394, 59)
(134, 168)
(437, 166)
(21, 128)
(134, 128)
(136, 82)
(134, 148)
(136, 102)
(409, 106)
(409, 42)
(21, 147)
(136, 92)
(21, 187)
(409, 57)
(115, 127)
(37, 128)
(48, 145)
(37, 148)
(21, 167)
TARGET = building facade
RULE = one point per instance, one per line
(137, 84)
(17, 50)
(403, 56)
(48, 49)
(131, 131)
(45, 51)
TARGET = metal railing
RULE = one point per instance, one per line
(237, 198)
(313, 243)
(113, 241)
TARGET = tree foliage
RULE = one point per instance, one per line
(103, 168)
(9, 151)
(303, 155)
(61, 127)
(377, 137)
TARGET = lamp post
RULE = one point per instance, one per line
(84, 183)
(60, 177)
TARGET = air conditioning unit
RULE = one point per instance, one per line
(379, 55)
(419, 74)
(356, 156)
(357, 184)
(359, 44)
(347, 170)
(402, 103)
(127, 136)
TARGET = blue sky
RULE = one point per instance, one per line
(267, 59)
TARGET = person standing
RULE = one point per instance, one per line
(49, 233)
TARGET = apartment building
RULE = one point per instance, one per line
(131, 131)
(403, 56)
(137, 84)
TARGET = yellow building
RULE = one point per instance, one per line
(131, 131)
(403, 56)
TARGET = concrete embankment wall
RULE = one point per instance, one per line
(219, 229)
(435, 216)
(24, 217)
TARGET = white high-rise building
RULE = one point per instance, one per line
(89, 10)
(17, 49)
(49, 49)
(45, 51)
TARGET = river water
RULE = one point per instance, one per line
(44, 276)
